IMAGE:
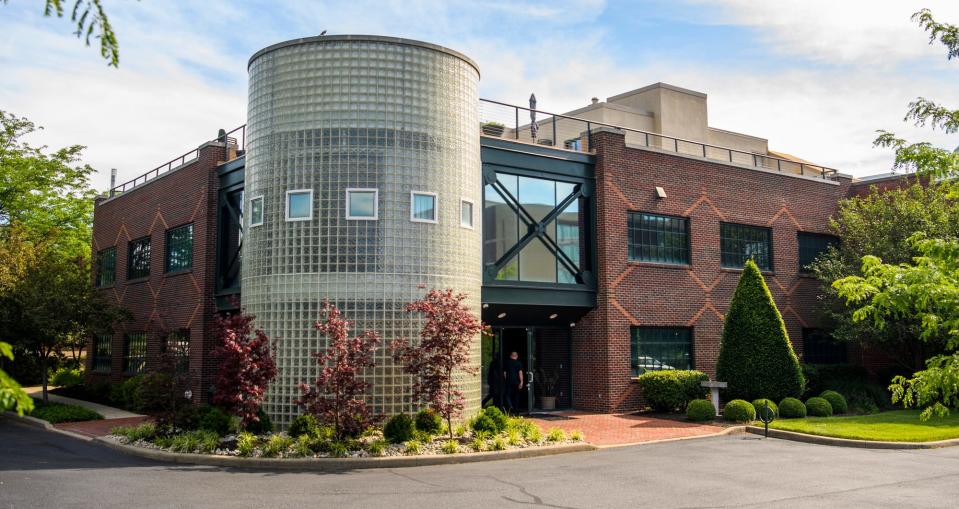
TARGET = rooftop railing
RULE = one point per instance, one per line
(526, 125)
(233, 139)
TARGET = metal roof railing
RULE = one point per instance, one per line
(236, 137)
(518, 123)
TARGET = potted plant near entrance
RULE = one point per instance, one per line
(547, 380)
(492, 128)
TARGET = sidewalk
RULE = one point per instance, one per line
(610, 430)
(106, 411)
(112, 417)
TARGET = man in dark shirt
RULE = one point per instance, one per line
(514, 382)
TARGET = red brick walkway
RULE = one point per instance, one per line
(622, 429)
(99, 428)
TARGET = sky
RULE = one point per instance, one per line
(816, 78)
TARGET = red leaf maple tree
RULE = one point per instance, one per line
(246, 366)
(336, 397)
(444, 348)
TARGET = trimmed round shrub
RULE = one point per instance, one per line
(791, 408)
(483, 424)
(739, 410)
(398, 429)
(671, 390)
(304, 425)
(700, 410)
(756, 358)
(428, 421)
(215, 419)
(65, 377)
(818, 407)
(760, 403)
(836, 401)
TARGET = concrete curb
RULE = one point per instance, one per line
(845, 442)
(338, 464)
(726, 431)
(26, 420)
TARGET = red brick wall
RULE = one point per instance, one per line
(633, 294)
(165, 302)
(886, 184)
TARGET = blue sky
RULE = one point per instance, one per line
(816, 78)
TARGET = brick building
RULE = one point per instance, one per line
(605, 242)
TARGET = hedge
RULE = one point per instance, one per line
(671, 390)
(756, 358)
(739, 410)
(792, 408)
(398, 429)
(428, 421)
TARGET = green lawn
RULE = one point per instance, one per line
(58, 412)
(893, 426)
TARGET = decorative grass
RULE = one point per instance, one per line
(892, 426)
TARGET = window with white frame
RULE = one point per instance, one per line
(361, 204)
(423, 207)
(299, 205)
(466, 213)
(256, 211)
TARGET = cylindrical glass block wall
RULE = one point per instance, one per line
(336, 113)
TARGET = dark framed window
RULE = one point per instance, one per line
(177, 344)
(138, 258)
(102, 358)
(656, 238)
(741, 242)
(134, 353)
(819, 347)
(659, 348)
(179, 248)
(811, 245)
(106, 267)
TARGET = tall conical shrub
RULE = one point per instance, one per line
(755, 356)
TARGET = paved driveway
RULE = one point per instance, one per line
(40, 469)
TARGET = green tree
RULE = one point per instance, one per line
(755, 356)
(48, 298)
(91, 23)
(880, 224)
(928, 291)
(47, 193)
(927, 288)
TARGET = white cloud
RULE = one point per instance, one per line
(862, 32)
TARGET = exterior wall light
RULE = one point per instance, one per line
(660, 192)
(485, 306)
(553, 316)
(501, 315)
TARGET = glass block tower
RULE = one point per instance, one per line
(363, 187)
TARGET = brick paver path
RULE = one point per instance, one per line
(622, 429)
(99, 428)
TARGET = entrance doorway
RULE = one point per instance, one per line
(542, 352)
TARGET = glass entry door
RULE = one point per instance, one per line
(520, 341)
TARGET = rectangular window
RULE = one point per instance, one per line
(819, 347)
(741, 242)
(361, 204)
(811, 245)
(423, 208)
(466, 213)
(656, 238)
(134, 353)
(179, 248)
(177, 344)
(106, 267)
(256, 211)
(299, 205)
(138, 258)
(102, 360)
(659, 348)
